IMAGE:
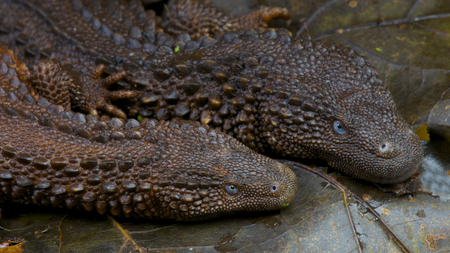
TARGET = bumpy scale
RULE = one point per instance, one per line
(291, 95)
(197, 19)
(175, 170)
(87, 91)
(271, 91)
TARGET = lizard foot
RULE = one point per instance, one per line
(10, 59)
(197, 19)
(88, 92)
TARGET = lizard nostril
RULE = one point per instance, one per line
(274, 188)
(384, 147)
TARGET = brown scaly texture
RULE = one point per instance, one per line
(294, 96)
(271, 91)
(197, 19)
(88, 91)
(174, 170)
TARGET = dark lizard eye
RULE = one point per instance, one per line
(231, 189)
(339, 127)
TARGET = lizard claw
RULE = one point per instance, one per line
(111, 109)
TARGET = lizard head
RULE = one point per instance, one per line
(299, 98)
(218, 175)
(370, 140)
(335, 107)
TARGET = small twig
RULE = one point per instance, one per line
(60, 233)
(296, 236)
(167, 9)
(350, 219)
(5, 229)
(307, 30)
(374, 213)
(125, 233)
(344, 190)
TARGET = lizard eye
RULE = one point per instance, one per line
(339, 127)
(231, 189)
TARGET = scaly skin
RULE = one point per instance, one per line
(173, 170)
(269, 90)
(198, 19)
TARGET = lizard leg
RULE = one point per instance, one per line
(198, 19)
(87, 93)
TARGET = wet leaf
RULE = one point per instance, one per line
(11, 247)
(422, 132)
(408, 42)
